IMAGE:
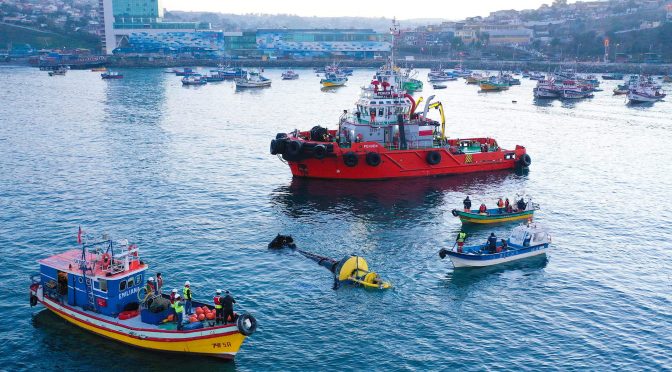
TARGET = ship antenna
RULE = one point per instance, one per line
(394, 30)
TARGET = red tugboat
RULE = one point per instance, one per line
(387, 137)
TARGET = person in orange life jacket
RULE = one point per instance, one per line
(188, 296)
(219, 307)
(159, 283)
(467, 204)
(227, 303)
(505, 246)
(483, 209)
(500, 205)
(173, 294)
(492, 243)
(507, 204)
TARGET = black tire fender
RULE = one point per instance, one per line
(433, 157)
(247, 324)
(274, 147)
(525, 160)
(350, 159)
(294, 147)
(33, 300)
(319, 151)
(454, 212)
(373, 159)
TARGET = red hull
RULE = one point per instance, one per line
(400, 163)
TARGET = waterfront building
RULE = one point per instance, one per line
(309, 43)
(124, 18)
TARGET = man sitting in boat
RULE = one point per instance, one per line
(492, 243)
(483, 209)
(504, 246)
(467, 204)
(507, 205)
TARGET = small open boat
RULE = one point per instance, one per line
(109, 75)
(439, 86)
(525, 241)
(495, 216)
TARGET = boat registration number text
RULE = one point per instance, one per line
(219, 345)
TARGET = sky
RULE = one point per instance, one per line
(446, 9)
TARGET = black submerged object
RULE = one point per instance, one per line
(282, 241)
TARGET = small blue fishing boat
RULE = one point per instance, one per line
(525, 241)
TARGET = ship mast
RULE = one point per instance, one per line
(394, 30)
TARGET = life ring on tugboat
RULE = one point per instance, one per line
(433, 157)
(525, 160)
(106, 260)
(350, 159)
(373, 159)
(246, 324)
(319, 151)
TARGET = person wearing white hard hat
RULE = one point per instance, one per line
(186, 293)
(178, 307)
(150, 287)
(173, 293)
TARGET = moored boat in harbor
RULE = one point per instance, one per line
(111, 75)
(289, 75)
(253, 79)
(194, 79)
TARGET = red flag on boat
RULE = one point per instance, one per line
(79, 236)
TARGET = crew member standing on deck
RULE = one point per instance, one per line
(178, 307)
(186, 293)
(461, 237)
(228, 302)
(467, 204)
(219, 308)
(492, 243)
(159, 283)
(173, 294)
(150, 287)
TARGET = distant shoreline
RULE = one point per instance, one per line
(594, 67)
(586, 67)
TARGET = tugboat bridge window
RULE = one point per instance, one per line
(130, 282)
(122, 285)
(138, 279)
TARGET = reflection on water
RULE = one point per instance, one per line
(467, 276)
(59, 337)
(374, 197)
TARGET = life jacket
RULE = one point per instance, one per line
(218, 302)
(500, 203)
(179, 308)
(461, 237)
(186, 292)
(482, 209)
